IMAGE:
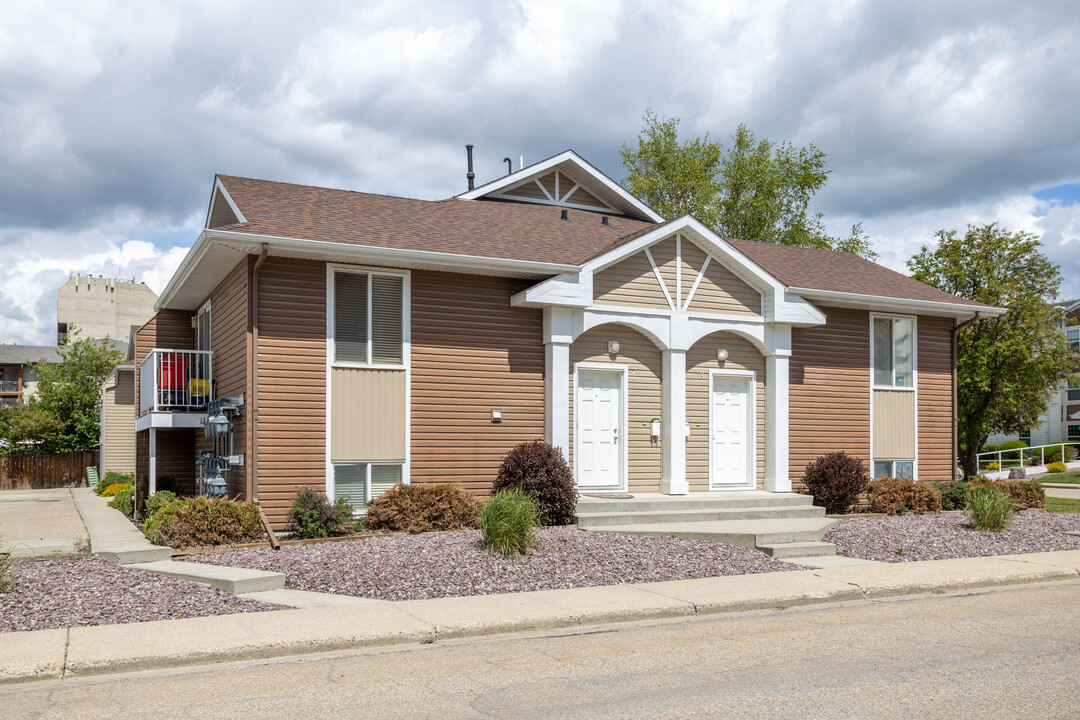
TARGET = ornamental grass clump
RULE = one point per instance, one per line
(312, 515)
(540, 470)
(836, 480)
(509, 523)
(989, 509)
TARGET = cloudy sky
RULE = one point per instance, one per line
(114, 116)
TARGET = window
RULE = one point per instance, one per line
(903, 469)
(361, 483)
(1025, 436)
(894, 352)
(1072, 336)
(1073, 432)
(1072, 393)
(368, 318)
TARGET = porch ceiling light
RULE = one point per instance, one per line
(721, 354)
(613, 347)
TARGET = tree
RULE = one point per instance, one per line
(756, 190)
(71, 389)
(28, 430)
(1007, 367)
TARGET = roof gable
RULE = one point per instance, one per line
(565, 180)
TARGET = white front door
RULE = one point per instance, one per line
(731, 426)
(598, 452)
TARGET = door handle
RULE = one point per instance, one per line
(616, 435)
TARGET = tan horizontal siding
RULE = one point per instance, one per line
(665, 256)
(699, 361)
(894, 424)
(529, 190)
(471, 352)
(720, 290)
(935, 378)
(630, 283)
(291, 437)
(367, 416)
(829, 400)
(582, 196)
(643, 360)
(118, 406)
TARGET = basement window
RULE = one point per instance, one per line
(903, 469)
(360, 483)
(368, 318)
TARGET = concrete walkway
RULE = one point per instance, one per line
(112, 535)
(41, 523)
(1062, 490)
(83, 651)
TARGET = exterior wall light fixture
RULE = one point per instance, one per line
(496, 415)
(722, 354)
(613, 347)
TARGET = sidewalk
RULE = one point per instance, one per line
(86, 651)
(41, 523)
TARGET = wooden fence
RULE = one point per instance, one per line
(26, 472)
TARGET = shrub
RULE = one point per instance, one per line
(953, 495)
(113, 488)
(312, 515)
(1056, 467)
(6, 561)
(1028, 493)
(509, 522)
(990, 447)
(153, 503)
(124, 500)
(1055, 454)
(836, 480)
(113, 478)
(989, 508)
(195, 521)
(992, 466)
(423, 508)
(540, 470)
(893, 495)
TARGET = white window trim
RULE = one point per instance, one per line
(751, 427)
(892, 462)
(914, 352)
(406, 355)
(624, 451)
(406, 295)
(205, 307)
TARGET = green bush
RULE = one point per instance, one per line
(509, 521)
(423, 507)
(312, 515)
(153, 503)
(200, 521)
(989, 509)
(953, 495)
(6, 561)
(1055, 454)
(1056, 467)
(114, 478)
(540, 470)
(114, 488)
(990, 447)
(124, 500)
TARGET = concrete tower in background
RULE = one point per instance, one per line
(102, 307)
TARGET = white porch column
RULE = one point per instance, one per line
(557, 396)
(153, 461)
(776, 423)
(673, 430)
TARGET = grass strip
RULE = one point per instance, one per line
(1054, 504)
(1066, 477)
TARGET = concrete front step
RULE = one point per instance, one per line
(748, 533)
(784, 551)
(229, 579)
(780, 512)
(650, 502)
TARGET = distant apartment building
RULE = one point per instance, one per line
(18, 381)
(102, 307)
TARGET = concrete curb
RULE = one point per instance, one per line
(87, 651)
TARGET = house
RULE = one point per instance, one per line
(117, 448)
(350, 341)
(18, 381)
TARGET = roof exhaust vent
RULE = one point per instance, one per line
(564, 215)
(605, 222)
(470, 176)
(509, 165)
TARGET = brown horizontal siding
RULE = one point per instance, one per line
(291, 435)
(176, 459)
(471, 352)
(700, 359)
(829, 400)
(935, 410)
(643, 360)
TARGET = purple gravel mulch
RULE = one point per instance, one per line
(947, 535)
(93, 591)
(450, 564)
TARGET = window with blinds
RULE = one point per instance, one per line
(360, 483)
(369, 318)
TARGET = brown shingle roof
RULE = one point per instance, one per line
(477, 228)
(839, 272)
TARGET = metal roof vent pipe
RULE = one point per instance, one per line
(604, 221)
(564, 215)
(509, 165)
(471, 176)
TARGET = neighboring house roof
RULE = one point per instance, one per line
(839, 272)
(493, 229)
(21, 354)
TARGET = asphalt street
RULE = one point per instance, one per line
(1002, 653)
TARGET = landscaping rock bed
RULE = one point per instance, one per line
(92, 591)
(906, 538)
(450, 564)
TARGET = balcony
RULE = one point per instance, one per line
(176, 381)
(9, 386)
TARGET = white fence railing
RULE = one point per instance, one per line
(176, 380)
(1024, 457)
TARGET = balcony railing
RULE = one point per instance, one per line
(9, 386)
(176, 380)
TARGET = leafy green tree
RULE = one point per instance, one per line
(71, 389)
(1008, 367)
(756, 189)
(28, 430)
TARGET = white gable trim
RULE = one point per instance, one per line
(220, 188)
(495, 188)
